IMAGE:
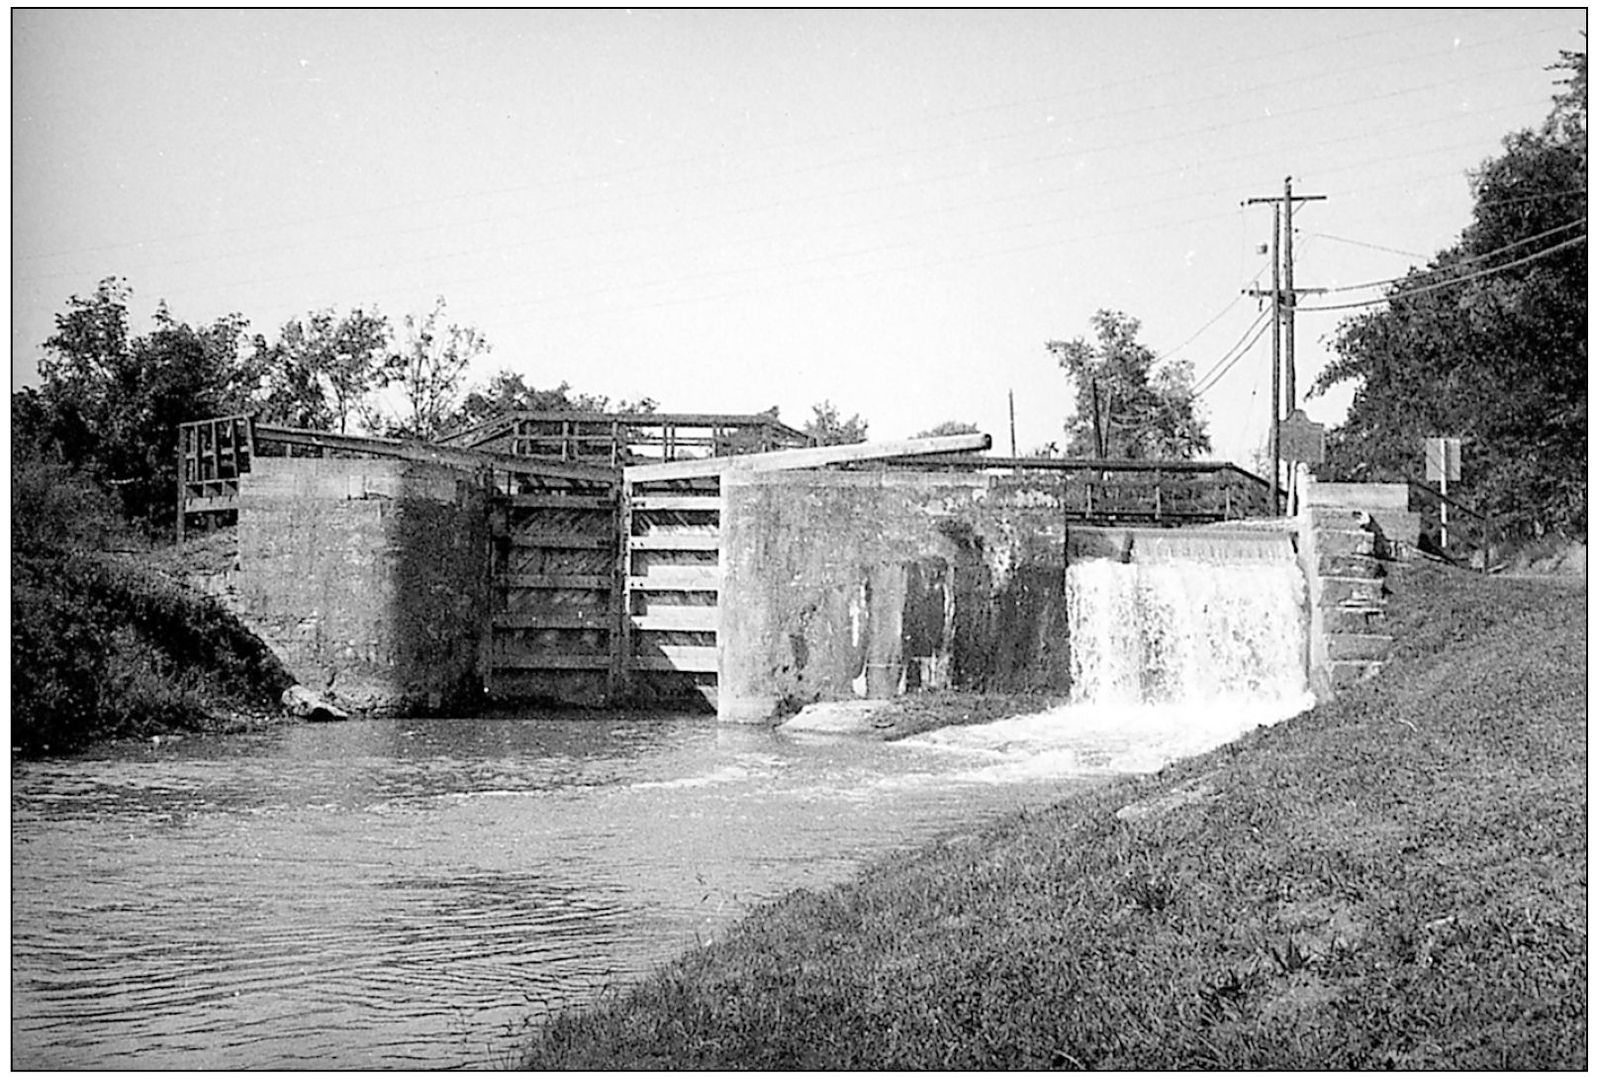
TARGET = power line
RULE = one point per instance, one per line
(788, 173)
(1199, 331)
(1464, 261)
(1214, 367)
(1373, 247)
(1534, 198)
(1421, 290)
(1218, 375)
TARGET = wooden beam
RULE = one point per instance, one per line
(685, 618)
(560, 502)
(553, 580)
(683, 580)
(431, 453)
(531, 662)
(689, 503)
(214, 504)
(675, 541)
(698, 659)
(561, 540)
(577, 618)
(812, 457)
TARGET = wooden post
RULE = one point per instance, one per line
(1444, 509)
(1012, 451)
(621, 605)
(182, 486)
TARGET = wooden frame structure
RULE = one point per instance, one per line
(211, 456)
(1128, 491)
(621, 439)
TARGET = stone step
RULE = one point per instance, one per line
(1340, 541)
(1337, 591)
(1339, 517)
(1352, 565)
(1354, 619)
(1358, 646)
(1351, 672)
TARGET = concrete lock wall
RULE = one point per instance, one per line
(369, 578)
(840, 585)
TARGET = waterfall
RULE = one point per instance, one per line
(1193, 618)
(1195, 640)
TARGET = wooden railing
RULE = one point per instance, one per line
(1160, 492)
(1473, 538)
(620, 439)
(581, 446)
(211, 456)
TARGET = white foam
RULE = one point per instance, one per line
(1096, 739)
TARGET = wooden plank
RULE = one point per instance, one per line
(551, 662)
(213, 504)
(561, 502)
(553, 580)
(566, 540)
(655, 419)
(616, 685)
(683, 619)
(812, 457)
(579, 618)
(679, 657)
(675, 541)
(428, 452)
(683, 580)
(691, 503)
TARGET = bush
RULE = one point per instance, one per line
(102, 646)
(56, 509)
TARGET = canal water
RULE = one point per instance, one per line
(411, 893)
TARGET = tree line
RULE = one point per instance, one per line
(110, 401)
(1487, 341)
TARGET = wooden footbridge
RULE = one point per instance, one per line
(606, 527)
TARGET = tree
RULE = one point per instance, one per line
(291, 393)
(950, 427)
(1128, 405)
(507, 391)
(110, 403)
(429, 371)
(1487, 342)
(81, 362)
(345, 358)
(827, 427)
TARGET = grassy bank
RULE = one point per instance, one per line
(1396, 879)
(103, 644)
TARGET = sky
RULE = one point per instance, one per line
(727, 210)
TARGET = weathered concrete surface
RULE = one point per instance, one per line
(1386, 503)
(838, 717)
(369, 578)
(1341, 546)
(847, 585)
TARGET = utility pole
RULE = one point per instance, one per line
(1283, 304)
(1291, 298)
(1097, 422)
(1012, 451)
(1275, 361)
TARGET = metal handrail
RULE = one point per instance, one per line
(1492, 534)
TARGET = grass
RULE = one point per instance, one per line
(1396, 879)
(104, 644)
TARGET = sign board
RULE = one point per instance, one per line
(1302, 439)
(1442, 459)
